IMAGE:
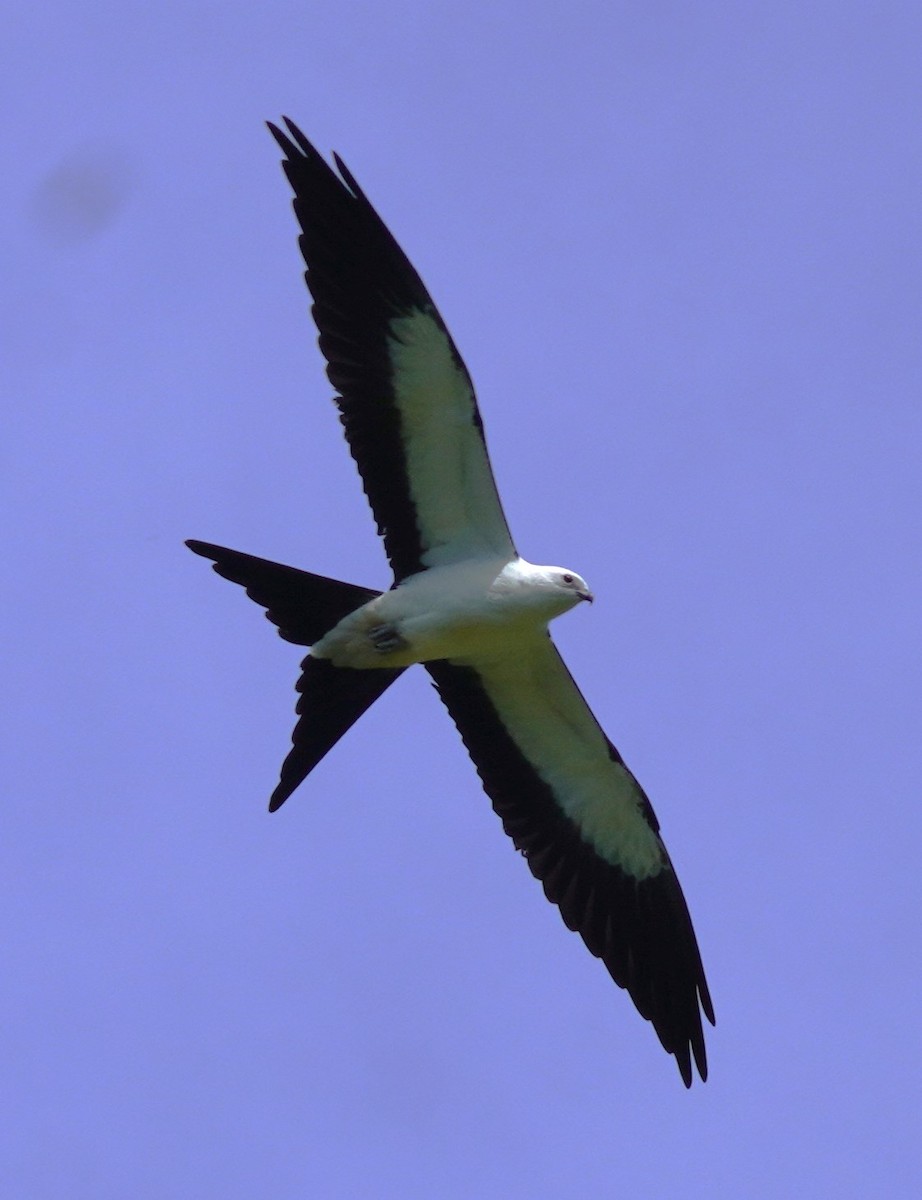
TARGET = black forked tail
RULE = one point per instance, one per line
(304, 607)
(331, 700)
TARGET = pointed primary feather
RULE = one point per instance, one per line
(587, 830)
(406, 400)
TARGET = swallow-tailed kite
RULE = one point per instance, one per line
(469, 608)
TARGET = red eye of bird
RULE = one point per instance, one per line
(568, 578)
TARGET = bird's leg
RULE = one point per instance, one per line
(386, 639)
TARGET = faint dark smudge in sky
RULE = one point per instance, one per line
(83, 195)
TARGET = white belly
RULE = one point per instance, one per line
(454, 611)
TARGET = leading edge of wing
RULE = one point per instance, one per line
(588, 832)
(406, 400)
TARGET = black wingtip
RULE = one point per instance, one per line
(283, 790)
(278, 135)
(294, 146)
(300, 140)
(348, 177)
(208, 550)
(297, 146)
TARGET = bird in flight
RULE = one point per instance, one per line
(467, 607)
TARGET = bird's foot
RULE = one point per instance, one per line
(386, 639)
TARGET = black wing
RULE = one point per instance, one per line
(405, 398)
(588, 832)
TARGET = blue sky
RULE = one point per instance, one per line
(679, 248)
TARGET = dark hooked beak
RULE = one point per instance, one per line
(586, 596)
